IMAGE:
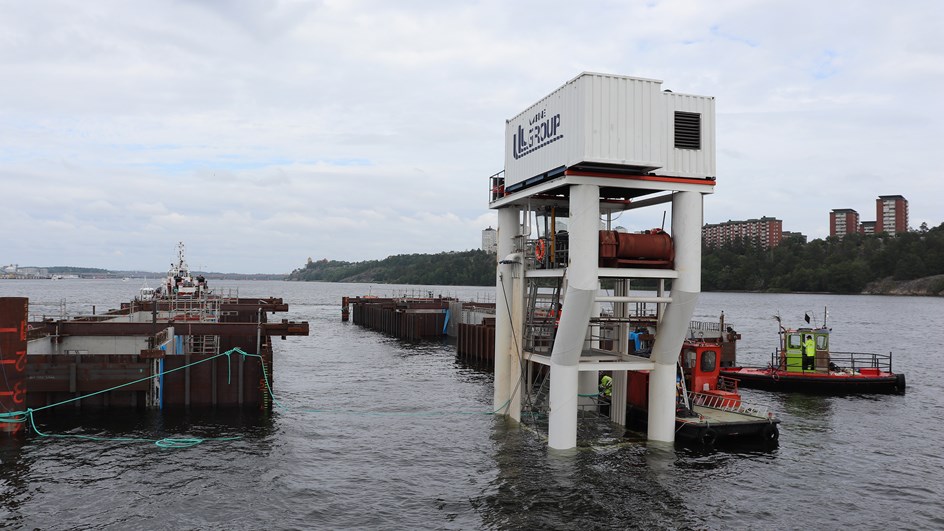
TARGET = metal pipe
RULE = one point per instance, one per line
(631, 298)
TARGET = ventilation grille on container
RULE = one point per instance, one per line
(687, 130)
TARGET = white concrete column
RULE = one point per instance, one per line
(577, 306)
(686, 236)
(508, 227)
(619, 398)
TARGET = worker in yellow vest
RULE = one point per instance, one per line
(606, 386)
(809, 353)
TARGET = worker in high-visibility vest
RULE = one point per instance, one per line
(809, 353)
(606, 386)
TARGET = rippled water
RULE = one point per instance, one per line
(378, 433)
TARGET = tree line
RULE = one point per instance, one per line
(457, 268)
(832, 265)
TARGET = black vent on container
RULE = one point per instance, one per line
(687, 130)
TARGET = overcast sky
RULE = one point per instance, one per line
(261, 133)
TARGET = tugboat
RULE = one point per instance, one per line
(179, 282)
(804, 363)
(709, 408)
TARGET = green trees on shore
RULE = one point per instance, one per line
(833, 265)
(465, 268)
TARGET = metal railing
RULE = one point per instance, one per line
(844, 361)
(730, 404)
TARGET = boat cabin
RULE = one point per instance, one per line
(701, 368)
(700, 364)
(792, 350)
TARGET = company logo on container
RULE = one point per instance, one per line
(541, 132)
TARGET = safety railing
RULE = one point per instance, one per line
(730, 404)
(845, 362)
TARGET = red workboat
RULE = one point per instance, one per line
(805, 363)
(709, 408)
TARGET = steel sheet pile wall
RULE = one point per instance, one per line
(55, 378)
(476, 343)
(225, 381)
(412, 319)
(13, 330)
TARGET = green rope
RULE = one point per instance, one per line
(13, 417)
(160, 443)
(265, 375)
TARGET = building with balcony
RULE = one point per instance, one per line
(766, 232)
(843, 221)
(891, 214)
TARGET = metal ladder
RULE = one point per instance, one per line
(540, 330)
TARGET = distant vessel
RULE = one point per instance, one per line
(147, 293)
(179, 281)
(825, 372)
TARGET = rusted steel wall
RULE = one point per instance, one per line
(476, 343)
(409, 319)
(232, 381)
(56, 378)
(13, 330)
(419, 319)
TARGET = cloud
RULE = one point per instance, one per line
(261, 133)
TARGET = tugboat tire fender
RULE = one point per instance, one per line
(900, 383)
(708, 437)
(770, 433)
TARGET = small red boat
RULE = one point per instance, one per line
(804, 363)
(709, 408)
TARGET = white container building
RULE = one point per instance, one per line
(600, 121)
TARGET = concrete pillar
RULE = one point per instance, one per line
(508, 227)
(620, 378)
(577, 307)
(686, 237)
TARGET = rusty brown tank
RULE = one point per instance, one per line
(652, 248)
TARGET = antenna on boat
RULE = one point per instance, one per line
(663, 220)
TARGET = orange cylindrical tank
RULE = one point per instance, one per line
(653, 247)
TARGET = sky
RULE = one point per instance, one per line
(261, 133)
